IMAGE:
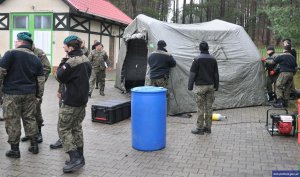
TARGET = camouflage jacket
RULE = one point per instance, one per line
(44, 60)
(99, 59)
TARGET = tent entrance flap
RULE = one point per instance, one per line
(135, 63)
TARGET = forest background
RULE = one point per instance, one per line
(266, 21)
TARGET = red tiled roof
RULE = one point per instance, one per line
(101, 8)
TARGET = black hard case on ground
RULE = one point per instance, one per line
(111, 111)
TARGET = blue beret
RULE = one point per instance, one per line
(70, 38)
(24, 36)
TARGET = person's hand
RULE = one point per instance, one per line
(109, 69)
(263, 59)
(58, 95)
(272, 72)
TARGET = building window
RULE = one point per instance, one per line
(20, 22)
(42, 22)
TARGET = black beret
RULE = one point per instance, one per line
(161, 43)
(270, 47)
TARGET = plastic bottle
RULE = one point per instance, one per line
(218, 117)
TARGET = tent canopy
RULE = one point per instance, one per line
(241, 71)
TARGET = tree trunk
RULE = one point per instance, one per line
(133, 3)
(222, 9)
(183, 11)
(191, 11)
(177, 11)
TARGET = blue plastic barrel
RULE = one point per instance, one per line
(148, 118)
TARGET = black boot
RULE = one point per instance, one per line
(40, 136)
(80, 151)
(14, 152)
(25, 138)
(270, 96)
(198, 131)
(279, 104)
(76, 162)
(56, 145)
(34, 147)
(207, 130)
(102, 90)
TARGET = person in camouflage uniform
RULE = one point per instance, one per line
(1, 103)
(288, 66)
(1, 100)
(60, 91)
(272, 73)
(288, 44)
(22, 76)
(99, 62)
(205, 75)
(160, 63)
(47, 69)
(74, 74)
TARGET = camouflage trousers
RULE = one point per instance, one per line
(93, 79)
(283, 85)
(101, 80)
(271, 82)
(38, 115)
(204, 96)
(162, 82)
(70, 126)
(15, 108)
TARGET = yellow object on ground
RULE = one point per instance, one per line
(218, 117)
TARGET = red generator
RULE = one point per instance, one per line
(284, 124)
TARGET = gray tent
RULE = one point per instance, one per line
(241, 71)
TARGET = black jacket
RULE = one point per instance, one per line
(23, 68)
(160, 63)
(287, 62)
(204, 71)
(75, 74)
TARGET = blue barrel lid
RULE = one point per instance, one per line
(148, 89)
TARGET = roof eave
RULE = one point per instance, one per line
(93, 15)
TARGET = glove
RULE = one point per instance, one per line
(263, 59)
(272, 72)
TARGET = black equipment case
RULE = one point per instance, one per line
(111, 111)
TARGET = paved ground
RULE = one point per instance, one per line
(240, 146)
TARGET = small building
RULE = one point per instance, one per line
(50, 21)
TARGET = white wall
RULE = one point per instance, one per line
(33, 6)
(4, 42)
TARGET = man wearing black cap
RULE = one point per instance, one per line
(74, 73)
(160, 62)
(21, 73)
(47, 69)
(272, 73)
(205, 75)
